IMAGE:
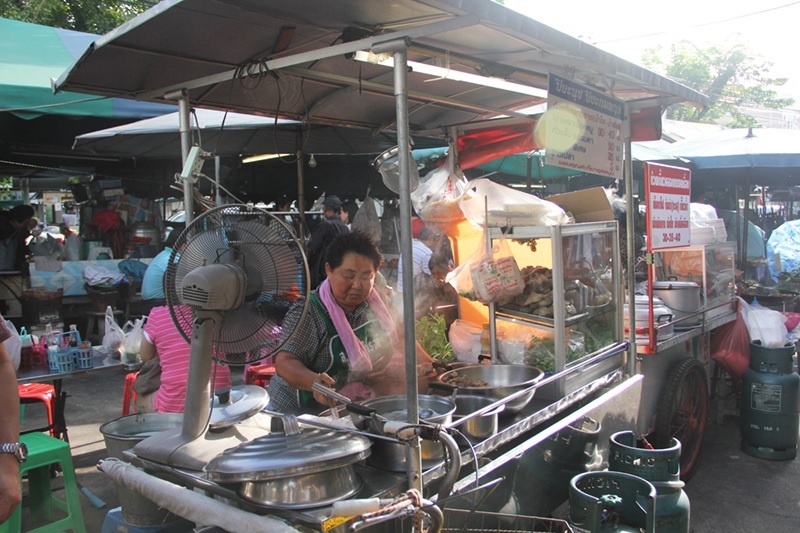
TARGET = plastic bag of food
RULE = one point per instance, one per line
(730, 345)
(133, 339)
(367, 220)
(488, 277)
(465, 338)
(766, 325)
(114, 336)
(436, 200)
(487, 203)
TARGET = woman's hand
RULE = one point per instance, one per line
(326, 380)
(10, 490)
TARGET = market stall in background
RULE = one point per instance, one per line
(561, 357)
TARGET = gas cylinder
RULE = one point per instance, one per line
(770, 403)
(611, 502)
(662, 468)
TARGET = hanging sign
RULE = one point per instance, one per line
(668, 191)
(583, 128)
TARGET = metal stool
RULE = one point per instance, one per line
(128, 394)
(96, 321)
(40, 392)
(43, 453)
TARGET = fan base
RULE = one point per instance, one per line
(173, 449)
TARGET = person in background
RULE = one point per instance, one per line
(323, 234)
(10, 488)
(153, 281)
(72, 245)
(434, 294)
(163, 340)
(15, 230)
(349, 209)
(348, 337)
(421, 250)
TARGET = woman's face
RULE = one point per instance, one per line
(352, 281)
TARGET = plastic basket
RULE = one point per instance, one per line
(61, 361)
(83, 355)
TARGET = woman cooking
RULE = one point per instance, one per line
(347, 339)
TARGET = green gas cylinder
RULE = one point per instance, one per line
(770, 403)
(611, 502)
(662, 468)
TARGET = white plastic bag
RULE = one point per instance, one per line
(507, 207)
(765, 324)
(114, 336)
(367, 220)
(465, 338)
(13, 345)
(133, 340)
(436, 200)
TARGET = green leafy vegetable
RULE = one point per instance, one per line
(432, 336)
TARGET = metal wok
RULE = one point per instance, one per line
(501, 381)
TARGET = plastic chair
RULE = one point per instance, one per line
(128, 394)
(40, 392)
(43, 453)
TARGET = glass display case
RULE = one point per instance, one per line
(711, 266)
(571, 303)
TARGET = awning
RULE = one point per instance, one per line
(32, 55)
(297, 60)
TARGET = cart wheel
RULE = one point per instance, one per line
(683, 413)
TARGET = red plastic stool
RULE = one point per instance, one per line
(128, 395)
(260, 375)
(40, 392)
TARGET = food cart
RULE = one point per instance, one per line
(367, 74)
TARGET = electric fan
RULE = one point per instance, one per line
(234, 273)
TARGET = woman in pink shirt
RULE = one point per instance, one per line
(163, 340)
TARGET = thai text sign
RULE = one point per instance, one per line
(668, 190)
(583, 128)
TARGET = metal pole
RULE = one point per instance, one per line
(301, 195)
(399, 49)
(630, 232)
(217, 179)
(184, 120)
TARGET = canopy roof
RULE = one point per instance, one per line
(232, 134)
(32, 55)
(294, 60)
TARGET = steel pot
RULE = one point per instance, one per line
(479, 427)
(501, 380)
(392, 456)
(662, 318)
(293, 468)
(683, 298)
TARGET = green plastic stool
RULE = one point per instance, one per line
(43, 452)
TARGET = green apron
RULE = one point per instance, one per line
(372, 336)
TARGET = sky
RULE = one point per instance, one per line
(627, 28)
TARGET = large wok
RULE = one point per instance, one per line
(502, 381)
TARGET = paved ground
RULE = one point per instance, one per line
(731, 492)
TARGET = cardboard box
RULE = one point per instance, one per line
(588, 205)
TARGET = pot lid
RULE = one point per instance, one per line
(673, 284)
(240, 403)
(280, 455)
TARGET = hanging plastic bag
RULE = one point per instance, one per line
(13, 345)
(367, 220)
(730, 345)
(114, 336)
(436, 200)
(764, 324)
(133, 340)
(488, 277)
(487, 203)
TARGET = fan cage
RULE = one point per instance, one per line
(273, 259)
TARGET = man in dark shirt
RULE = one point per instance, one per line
(322, 236)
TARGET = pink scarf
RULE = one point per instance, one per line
(356, 352)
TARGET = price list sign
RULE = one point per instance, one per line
(668, 190)
(583, 128)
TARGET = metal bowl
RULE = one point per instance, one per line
(479, 427)
(303, 492)
(502, 381)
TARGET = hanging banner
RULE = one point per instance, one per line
(668, 191)
(582, 128)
